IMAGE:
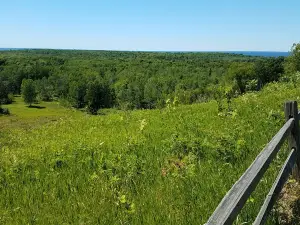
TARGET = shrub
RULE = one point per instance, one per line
(10, 98)
(4, 111)
(251, 85)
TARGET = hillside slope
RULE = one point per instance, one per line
(169, 166)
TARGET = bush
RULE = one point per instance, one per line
(11, 98)
(251, 85)
(4, 111)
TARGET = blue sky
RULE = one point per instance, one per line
(160, 25)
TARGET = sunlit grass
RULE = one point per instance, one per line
(38, 114)
(169, 166)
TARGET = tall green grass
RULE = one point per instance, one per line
(170, 166)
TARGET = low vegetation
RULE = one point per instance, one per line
(167, 165)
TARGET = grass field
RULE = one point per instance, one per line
(169, 166)
(39, 114)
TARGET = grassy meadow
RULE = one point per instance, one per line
(162, 166)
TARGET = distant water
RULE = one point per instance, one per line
(8, 49)
(249, 53)
(260, 53)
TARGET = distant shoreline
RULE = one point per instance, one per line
(248, 53)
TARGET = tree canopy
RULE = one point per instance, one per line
(28, 91)
(128, 80)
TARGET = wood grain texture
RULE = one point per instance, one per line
(235, 199)
(291, 111)
(276, 188)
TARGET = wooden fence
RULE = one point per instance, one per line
(237, 196)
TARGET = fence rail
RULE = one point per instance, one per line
(237, 196)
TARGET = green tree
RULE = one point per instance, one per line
(241, 73)
(77, 92)
(60, 84)
(152, 92)
(269, 70)
(44, 89)
(28, 91)
(3, 92)
(130, 92)
(98, 95)
(292, 64)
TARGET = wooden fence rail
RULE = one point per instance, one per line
(237, 196)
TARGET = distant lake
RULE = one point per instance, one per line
(258, 53)
(5, 49)
(8, 49)
(250, 53)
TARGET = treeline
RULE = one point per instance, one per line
(128, 80)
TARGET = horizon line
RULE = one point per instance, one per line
(117, 50)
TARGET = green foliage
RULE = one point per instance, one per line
(98, 95)
(269, 70)
(168, 165)
(28, 91)
(292, 64)
(296, 56)
(251, 85)
(10, 98)
(136, 79)
(4, 111)
(241, 73)
(77, 92)
(45, 90)
(163, 166)
(4, 92)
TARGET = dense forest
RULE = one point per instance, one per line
(133, 80)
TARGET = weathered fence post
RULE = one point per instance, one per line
(291, 111)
